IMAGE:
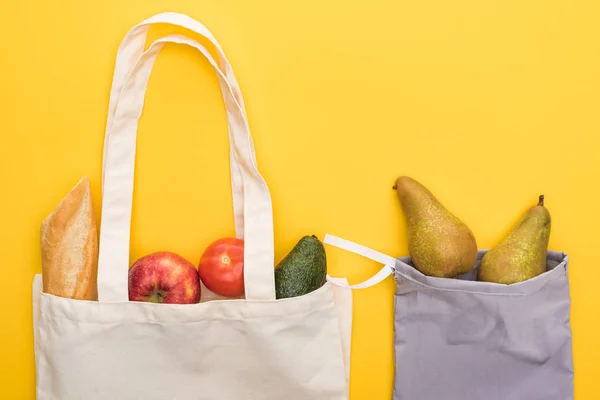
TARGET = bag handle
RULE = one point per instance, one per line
(387, 261)
(119, 157)
(130, 51)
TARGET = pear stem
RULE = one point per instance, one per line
(541, 202)
(395, 187)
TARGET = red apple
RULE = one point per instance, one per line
(164, 277)
(221, 267)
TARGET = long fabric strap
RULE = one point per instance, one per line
(125, 110)
(387, 261)
(131, 50)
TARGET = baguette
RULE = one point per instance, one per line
(69, 242)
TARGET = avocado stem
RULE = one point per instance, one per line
(541, 202)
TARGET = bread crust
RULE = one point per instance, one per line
(69, 243)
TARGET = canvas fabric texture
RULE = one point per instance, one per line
(251, 348)
(460, 339)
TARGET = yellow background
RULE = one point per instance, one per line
(488, 103)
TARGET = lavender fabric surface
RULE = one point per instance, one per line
(458, 339)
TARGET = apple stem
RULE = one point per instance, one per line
(156, 297)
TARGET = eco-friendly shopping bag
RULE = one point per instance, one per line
(460, 339)
(252, 348)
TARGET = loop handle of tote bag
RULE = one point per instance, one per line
(387, 261)
(251, 198)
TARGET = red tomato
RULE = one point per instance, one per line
(221, 267)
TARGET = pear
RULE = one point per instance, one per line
(439, 243)
(522, 254)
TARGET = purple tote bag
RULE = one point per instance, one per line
(460, 339)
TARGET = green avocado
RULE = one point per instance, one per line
(303, 270)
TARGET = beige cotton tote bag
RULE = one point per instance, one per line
(252, 348)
